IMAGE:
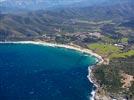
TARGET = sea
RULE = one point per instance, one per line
(37, 72)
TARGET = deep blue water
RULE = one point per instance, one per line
(34, 72)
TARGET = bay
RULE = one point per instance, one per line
(35, 72)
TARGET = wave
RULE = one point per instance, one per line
(92, 95)
(89, 77)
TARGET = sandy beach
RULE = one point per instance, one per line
(77, 48)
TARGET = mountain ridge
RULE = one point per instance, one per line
(52, 4)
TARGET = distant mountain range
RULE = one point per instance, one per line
(35, 21)
(52, 4)
(36, 4)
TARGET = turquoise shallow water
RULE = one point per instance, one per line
(34, 72)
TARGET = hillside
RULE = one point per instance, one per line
(68, 20)
(116, 78)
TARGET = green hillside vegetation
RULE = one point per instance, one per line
(109, 76)
(110, 51)
(106, 39)
(104, 49)
(124, 40)
(122, 55)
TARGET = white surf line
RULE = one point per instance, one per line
(80, 49)
(89, 77)
(83, 50)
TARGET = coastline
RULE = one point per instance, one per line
(78, 48)
(72, 47)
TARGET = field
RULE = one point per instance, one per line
(104, 49)
(110, 51)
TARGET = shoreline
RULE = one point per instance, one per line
(78, 48)
(72, 47)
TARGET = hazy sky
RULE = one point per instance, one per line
(2, 0)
